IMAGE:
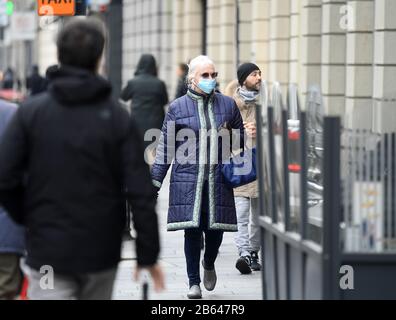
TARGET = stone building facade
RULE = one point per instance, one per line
(147, 28)
(346, 47)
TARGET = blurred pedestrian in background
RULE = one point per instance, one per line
(182, 87)
(199, 199)
(35, 83)
(8, 79)
(12, 236)
(50, 71)
(82, 157)
(247, 239)
(149, 97)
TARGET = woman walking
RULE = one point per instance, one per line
(199, 199)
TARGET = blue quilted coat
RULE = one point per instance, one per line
(206, 116)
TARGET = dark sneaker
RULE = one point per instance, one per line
(255, 265)
(243, 265)
(194, 292)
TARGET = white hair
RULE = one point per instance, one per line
(195, 63)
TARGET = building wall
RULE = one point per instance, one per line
(359, 73)
(344, 46)
(147, 28)
(46, 46)
(384, 65)
(187, 34)
(19, 55)
(333, 60)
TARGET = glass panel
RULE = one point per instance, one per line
(294, 161)
(277, 103)
(262, 143)
(315, 113)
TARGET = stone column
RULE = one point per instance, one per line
(46, 47)
(333, 57)
(147, 29)
(260, 35)
(227, 64)
(384, 119)
(279, 46)
(192, 26)
(295, 39)
(178, 31)
(130, 44)
(359, 76)
(310, 49)
(245, 53)
(213, 33)
(166, 69)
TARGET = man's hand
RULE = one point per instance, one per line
(250, 128)
(156, 274)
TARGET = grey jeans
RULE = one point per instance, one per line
(247, 238)
(10, 276)
(90, 286)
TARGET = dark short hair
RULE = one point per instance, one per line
(80, 43)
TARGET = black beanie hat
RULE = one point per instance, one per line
(245, 70)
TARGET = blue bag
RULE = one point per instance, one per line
(241, 170)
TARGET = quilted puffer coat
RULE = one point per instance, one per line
(198, 112)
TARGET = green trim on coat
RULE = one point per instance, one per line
(212, 191)
(157, 184)
(212, 162)
(181, 225)
(201, 171)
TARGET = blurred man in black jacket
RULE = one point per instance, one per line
(68, 160)
(35, 83)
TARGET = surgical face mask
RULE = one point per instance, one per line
(207, 85)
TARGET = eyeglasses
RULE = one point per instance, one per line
(207, 74)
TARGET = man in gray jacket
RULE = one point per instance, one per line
(12, 237)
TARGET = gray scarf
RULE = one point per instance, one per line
(247, 95)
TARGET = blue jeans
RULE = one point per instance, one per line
(192, 243)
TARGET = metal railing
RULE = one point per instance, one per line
(368, 183)
(327, 199)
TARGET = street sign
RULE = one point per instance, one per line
(9, 8)
(3, 20)
(6, 7)
(3, 13)
(23, 25)
(56, 7)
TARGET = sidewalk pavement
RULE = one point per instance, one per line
(231, 285)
